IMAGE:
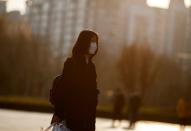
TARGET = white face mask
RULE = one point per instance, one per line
(93, 48)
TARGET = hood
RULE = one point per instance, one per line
(82, 44)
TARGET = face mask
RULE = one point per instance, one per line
(93, 48)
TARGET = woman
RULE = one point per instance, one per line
(79, 91)
(182, 113)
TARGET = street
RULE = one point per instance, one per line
(11, 120)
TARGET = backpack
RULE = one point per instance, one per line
(55, 91)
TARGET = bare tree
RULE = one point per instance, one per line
(27, 65)
(142, 68)
(138, 67)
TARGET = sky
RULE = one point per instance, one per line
(159, 3)
(187, 3)
(16, 5)
(165, 3)
(20, 4)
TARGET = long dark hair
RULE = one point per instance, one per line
(82, 44)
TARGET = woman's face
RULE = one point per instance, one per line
(93, 45)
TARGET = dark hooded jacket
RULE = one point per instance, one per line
(79, 99)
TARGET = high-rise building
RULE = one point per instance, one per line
(188, 31)
(140, 23)
(164, 30)
(106, 19)
(147, 25)
(122, 21)
(176, 36)
(59, 20)
(62, 20)
(3, 6)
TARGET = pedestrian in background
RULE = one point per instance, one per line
(189, 112)
(134, 104)
(118, 106)
(182, 113)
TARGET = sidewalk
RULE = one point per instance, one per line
(31, 121)
(43, 105)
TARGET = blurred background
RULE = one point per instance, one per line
(144, 47)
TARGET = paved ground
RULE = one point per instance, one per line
(11, 120)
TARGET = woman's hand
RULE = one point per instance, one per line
(55, 119)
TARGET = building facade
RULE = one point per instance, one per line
(62, 20)
(123, 21)
(3, 7)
